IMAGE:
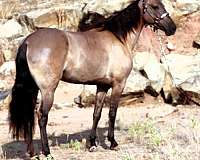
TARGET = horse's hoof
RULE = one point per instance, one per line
(114, 146)
(93, 149)
(36, 157)
(49, 157)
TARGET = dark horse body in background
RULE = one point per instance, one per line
(101, 56)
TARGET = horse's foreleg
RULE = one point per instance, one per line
(115, 97)
(46, 104)
(100, 96)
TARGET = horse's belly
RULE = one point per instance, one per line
(81, 76)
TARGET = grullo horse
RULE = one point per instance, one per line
(100, 56)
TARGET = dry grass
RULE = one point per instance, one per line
(146, 133)
(7, 9)
(169, 140)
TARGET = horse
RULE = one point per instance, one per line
(100, 56)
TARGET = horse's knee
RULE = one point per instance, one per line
(112, 114)
(42, 119)
(43, 115)
(96, 116)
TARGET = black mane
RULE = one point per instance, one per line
(120, 23)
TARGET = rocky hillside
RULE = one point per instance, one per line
(18, 18)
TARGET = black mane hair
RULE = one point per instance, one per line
(120, 23)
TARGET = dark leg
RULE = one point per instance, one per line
(115, 97)
(29, 139)
(47, 101)
(30, 148)
(100, 96)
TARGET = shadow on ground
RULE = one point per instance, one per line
(17, 149)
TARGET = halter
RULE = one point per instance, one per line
(148, 9)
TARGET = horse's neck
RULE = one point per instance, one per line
(133, 37)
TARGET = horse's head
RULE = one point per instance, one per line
(155, 14)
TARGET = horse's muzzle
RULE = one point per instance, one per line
(168, 26)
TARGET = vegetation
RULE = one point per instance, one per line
(73, 144)
(146, 133)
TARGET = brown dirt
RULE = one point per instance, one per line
(72, 123)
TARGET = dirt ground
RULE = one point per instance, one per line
(150, 130)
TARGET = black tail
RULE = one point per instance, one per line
(24, 97)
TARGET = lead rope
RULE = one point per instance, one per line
(163, 54)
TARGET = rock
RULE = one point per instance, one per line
(153, 69)
(56, 17)
(27, 24)
(167, 88)
(8, 68)
(197, 40)
(10, 29)
(8, 55)
(4, 94)
(105, 6)
(42, 18)
(171, 94)
(186, 7)
(8, 49)
(147, 60)
(136, 82)
(181, 8)
(86, 97)
(170, 6)
(185, 70)
(5, 103)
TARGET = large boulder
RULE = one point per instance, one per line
(55, 17)
(185, 70)
(185, 7)
(105, 6)
(10, 29)
(152, 70)
(7, 68)
(67, 15)
(5, 100)
(181, 8)
(8, 48)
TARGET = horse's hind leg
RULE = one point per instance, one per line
(115, 97)
(46, 104)
(30, 147)
(100, 96)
